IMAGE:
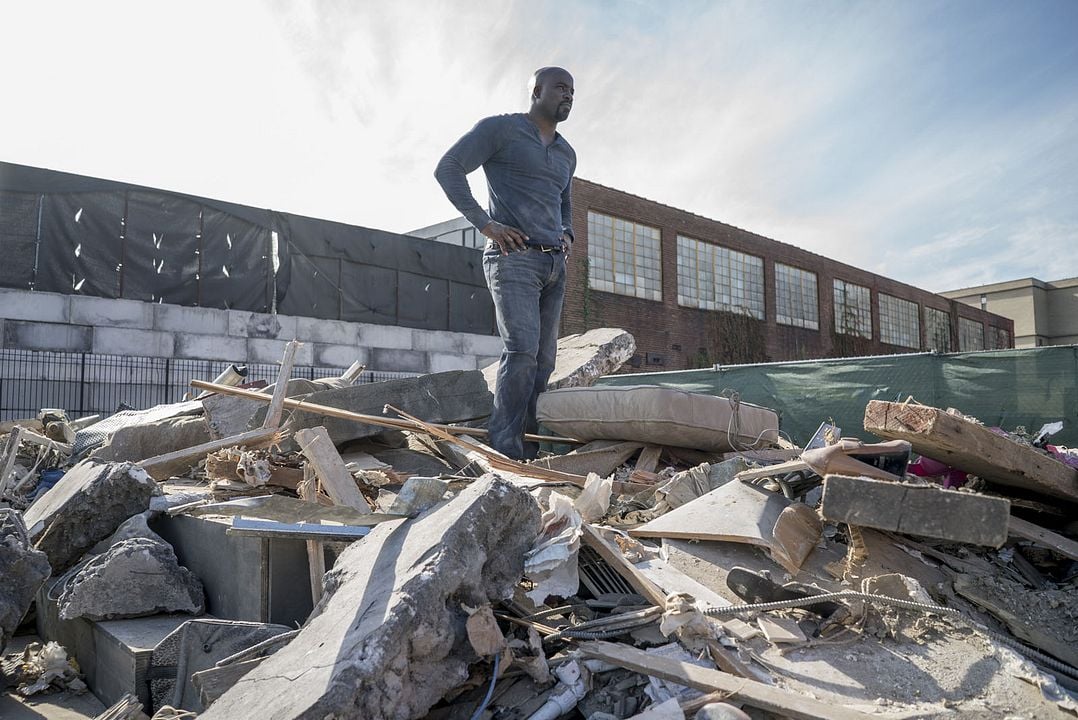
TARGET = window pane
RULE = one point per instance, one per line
(899, 322)
(796, 297)
(624, 257)
(970, 335)
(853, 309)
(717, 278)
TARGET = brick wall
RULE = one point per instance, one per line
(672, 337)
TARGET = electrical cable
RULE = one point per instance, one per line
(490, 690)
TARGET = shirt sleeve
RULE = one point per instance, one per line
(467, 154)
(567, 205)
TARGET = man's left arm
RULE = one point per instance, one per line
(567, 236)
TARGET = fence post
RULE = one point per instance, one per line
(167, 381)
(82, 384)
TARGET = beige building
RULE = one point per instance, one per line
(1044, 313)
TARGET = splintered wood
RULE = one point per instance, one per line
(972, 447)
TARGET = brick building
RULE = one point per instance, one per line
(695, 292)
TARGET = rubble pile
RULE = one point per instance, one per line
(669, 555)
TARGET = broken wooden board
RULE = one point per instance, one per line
(648, 460)
(1046, 538)
(927, 510)
(773, 699)
(613, 556)
(334, 477)
(783, 468)
(972, 447)
(735, 512)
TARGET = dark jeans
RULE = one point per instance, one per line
(528, 287)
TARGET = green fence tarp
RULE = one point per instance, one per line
(1004, 388)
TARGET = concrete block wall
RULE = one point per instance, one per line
(75, 323)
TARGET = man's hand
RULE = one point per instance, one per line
(507, 236)
(566, 244)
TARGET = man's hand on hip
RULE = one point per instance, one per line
(507, 236)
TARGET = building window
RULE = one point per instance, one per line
(624, 257)
(712, 277)
(796, 300)
(898, 322)
(938, 330)
(970, 335)
(853, 309)
(999, 337)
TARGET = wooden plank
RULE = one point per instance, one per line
(378, 420)
(276, 406)
(216, 681)
(750, 692)
(770, 455)
(261, 436)
(7, 460)
(336, 481)
(649, 458)
(316, 556)
(927, 510)
(623, 567)
(971, 447)
(1028, 531)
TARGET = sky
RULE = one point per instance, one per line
(932, 142)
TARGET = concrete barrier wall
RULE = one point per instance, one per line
(74, 323)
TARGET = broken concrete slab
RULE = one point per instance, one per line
(89, 502)
(138, 442)
(927, 510)
(601, 457)
(388, 639)
(134, 527)
(227, 415)
(22, 568)
(406, 461)
(133, 578)
(446, 397)
(583, 358)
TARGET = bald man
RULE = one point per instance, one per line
(529, 168)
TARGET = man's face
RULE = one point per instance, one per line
(554, 94)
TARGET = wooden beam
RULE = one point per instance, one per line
(261, 436)
(783, 468)
(7, 460)
(750, 692)
(316, 556)
(379, 420)
(972, 447)
(1028, 531)
(649, 458)
(623, 567)
(276, 406)
(337, 482)
(927, 510)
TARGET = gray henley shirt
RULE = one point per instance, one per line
(529, 183)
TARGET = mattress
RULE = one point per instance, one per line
(658, 416)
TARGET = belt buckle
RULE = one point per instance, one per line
(549, 249)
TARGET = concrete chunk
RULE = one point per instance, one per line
(22, 569)
(926, 510)
(138, 442)
(583, 358)
(133, 578)
(91, 500)
(446, 397)
(388, 638)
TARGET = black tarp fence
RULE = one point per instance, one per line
(73, 234)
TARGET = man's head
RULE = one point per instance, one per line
(552, 93)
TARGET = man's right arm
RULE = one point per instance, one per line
(466, 155)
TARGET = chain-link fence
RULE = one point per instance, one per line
(87, 384)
